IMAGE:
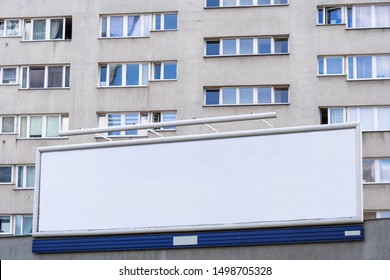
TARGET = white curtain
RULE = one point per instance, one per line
(382, 14)
(336, 115)
(56, 28)
(134, 26)
(52, 128)
(36, 127)
(385, 170)
(39, 29)
(384, 118)
(367, 118)
(363, 16)
(383, 66)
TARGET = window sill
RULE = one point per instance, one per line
(11, 84)
(246, 105)
(7, 184)
(246, 55)
(375, 183)
(330, 24)
(331, 75)
(368, 79)
(44, 138)
(246, 6)
(11, 36)
(23, 189)
(367, 28)
(9, 133)
(163, 30)
(112, 87)
(123, 37)
(164, 80)
(53, 88)
(48, 40)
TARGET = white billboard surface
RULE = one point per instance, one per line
(278, 177)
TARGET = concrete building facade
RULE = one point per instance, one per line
(86, 64)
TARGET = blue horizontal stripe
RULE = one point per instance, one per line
(205, 239)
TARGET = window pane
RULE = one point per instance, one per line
(27, 225)
(157, 71)
(383, 214)
(264, 45)
(168, 117)
(384, 170)
(384, 118)
(320, 16)
(383, 66)
(67, 76)
(145, 74)
(132, 74)
(30, 180)
(158, 22)
(9, 75)
(212, 3)
(320, 66)
(350, 68)
(333, 15)
(264, 2)
(212, 48)
(5, 224)
(8, 124)
(24, 77)
(336, 115)
(264, 95)
(56, 29)
(349, 14)
(52, 128)
(363, 16)
(116, 26)
(37, 77)
(170, 21)
(39, 29)
(104, 27)
(35, 126)
(5, 174)
(55, 76)
(229, 3)
(129, 120)
(115, 77)
(246, 46)
(103, 75)
(18, 225)
(281, 95)
(114, 120)
(12, 27)
(246, 2)
(382, 15)
(334, 65)
(246, 95)
(228, 96)
(368, 170)
(367, 118)
(146, 25)
(212, 97)
(281, 45)
(20, 183)
(68, 28)
(364, 67)
(23, 127)
(229, 46)
(1, 28)
(277, 2)
(352, 115)
(170, 71)
(134, 26)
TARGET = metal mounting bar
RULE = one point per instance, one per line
(171, 123)
(154, 132)
(212, 128)
(267, 123)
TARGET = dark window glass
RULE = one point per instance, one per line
(170, 71)
(37, 77)
(68, 28)
(212, 48)
(170, 21)
(212, 3)
(281, 45)
(281, 95)
(55, 76)
(5, 174)
(212, 97)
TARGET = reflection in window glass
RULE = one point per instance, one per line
(116, 26)
(103, 75)
(383, 66)
(104, 27)
(55, 76)
(334, 65)
(246, 95)
(229, 46)
(132, 74)
(363, 16)
(9, 75)
(37, 77)
(384, 118)
(384, 165)
(7, 124)
(246, 46)
(382, 15)
(246, 2)
(5, 174)
(212, 97)
(368, 170)
(212, 48)
(264, 45)
(170, 21)
(281, 95)
(157, 71)
(170, 70)
(281, 45)
(364, 67)
(212, 3)
(321, 66)
(228, 96)
(367, 118)
(333, 15)
(264, 95)
(264, 2)
(229, 3)
(115, 74)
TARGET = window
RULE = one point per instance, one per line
(376, 170)
(238, 3)
(26, 177)
(330, 15)
(331, 65)
(8, 75)
(125, 26)
(122, 75)
(226, 96)
(7, 124)
(368, 16)
(9, 27)
(165, 22)
(47, 29)
(377, 215)
(5, 174)
(246, 46)
(164, 71)
(130, 118)
(5, 225)
(46, 126)
(370, 118)
(38, 77)
(368, 67)
(23, 224)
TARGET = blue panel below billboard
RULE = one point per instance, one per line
(200, 239)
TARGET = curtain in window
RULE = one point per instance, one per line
(8, 124)
(363, 16)
(115, 74)
(9, 75)
(385, 170)
(264, 95)
(104, 27)
(23, 127)
(352, 115)
(27, 225)
(116, 26)
(12, 27)
(56, 28)
(134, 26)
(382, 15)
(146, 25)
(39, 29)
(169, 117)
(129, 120)
(384, 118)
(20, 177)
(369, 170)
(55, 76)
(367, 118)
(383, 66)
(145, 74)
(18, 225)
(336, 115)
(364, 67)
(35, 126)
(37, 77)
(52, 128)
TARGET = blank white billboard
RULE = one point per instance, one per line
(266, 178)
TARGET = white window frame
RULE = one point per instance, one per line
(373, 16)
(10, 225)
(373, 67)
(325, 18)
(22, 224)
(46, 77)
(63, 122)
(162, 73)
(162, 23)
(16, 76)
(143, 18)
(325, 64)
(47, 31)
(166, 128)
(1, 124)
(12, 175)
(24, 182)
(103, 122)
(237, 4)
(377, 172)
(124, 70)
(255, 96)
(3, 32)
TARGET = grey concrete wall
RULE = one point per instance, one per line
(376, 246)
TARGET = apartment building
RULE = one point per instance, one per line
(84, 64)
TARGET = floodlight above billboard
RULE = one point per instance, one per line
(252, 179)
